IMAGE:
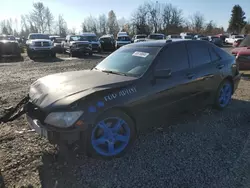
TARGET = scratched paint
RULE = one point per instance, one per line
(121, 93)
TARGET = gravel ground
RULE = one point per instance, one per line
(206, 148)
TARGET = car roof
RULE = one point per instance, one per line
(157, 43)
(88, 34)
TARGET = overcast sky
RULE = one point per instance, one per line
(74, 11)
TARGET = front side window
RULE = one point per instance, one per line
(174, 57)
(133, 61)
(199, 53)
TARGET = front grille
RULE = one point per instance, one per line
(35, 112)
(41, 44)
(10, 48)
(94, 45)
(82, 45)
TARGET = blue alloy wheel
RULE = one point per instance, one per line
(225, 94)
(110, 136)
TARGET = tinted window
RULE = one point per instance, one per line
(38, 36)
(123, 38)
(222, 53)
(214, 55)
(174, 57)
(199, 53)
(133, 61)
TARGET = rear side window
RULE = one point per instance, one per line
(222, 53)
(173, 57)
(214, 55)
(199, 53)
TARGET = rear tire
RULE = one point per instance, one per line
(112, 135)
(224, 95)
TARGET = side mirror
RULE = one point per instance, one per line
(162, 74)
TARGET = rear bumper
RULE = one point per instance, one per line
(243, 65)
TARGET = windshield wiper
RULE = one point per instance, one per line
(113, 72)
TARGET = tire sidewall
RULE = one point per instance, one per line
(216, 103)
(111, 113)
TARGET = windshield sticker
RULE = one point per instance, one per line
(140, 54)
(121, 93)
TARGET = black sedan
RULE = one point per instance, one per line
(104, 108)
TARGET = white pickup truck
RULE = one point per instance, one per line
(233, 38)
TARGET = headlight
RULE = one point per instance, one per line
(63, 119)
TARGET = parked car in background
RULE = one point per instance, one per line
(243, 45)
(243, 59)
(156, 36)
(139, 38)
(39, 44)
(174, 37)
(107, 42)
(122, 34)
(92, 38)
(237, 42)
(183, 34)
(9, 46)
(215, 40)
(199, 36)
(122, 40)
(187, 37)
(233, 38)
(76, 45)
(103, 109)
(203, 38)
(57, 43)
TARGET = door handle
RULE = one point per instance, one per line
(220, 66)
(190, 75)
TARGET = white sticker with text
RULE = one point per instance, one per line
(140, 54)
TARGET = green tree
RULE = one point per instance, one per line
(237, 20)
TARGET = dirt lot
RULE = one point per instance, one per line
(207, 148)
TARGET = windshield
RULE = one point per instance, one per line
(239, 37)
(140, 36)
(59, 40)
(123, 38)
(108, 39)
(133, 61)
(7, 37)
(245, 42)
(156, 36)
(78, 38)
(38, 36)
(91, 38)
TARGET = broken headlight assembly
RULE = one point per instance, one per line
(63, 119)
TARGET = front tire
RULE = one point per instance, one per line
(224, 95)
(112, 135)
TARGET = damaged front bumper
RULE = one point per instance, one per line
(54, 135)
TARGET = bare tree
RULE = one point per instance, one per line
(112, 24)
(102, 24)
(89, 24)
(140, 20)
(172, 19)
(49, 18)
(197, 22)
(121, 22)
(62, 26)
(154, 10)
(38, 16)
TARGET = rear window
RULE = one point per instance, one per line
(156, 37)
(108, 39)
(239, 37)
(38, 36)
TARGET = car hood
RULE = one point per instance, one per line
(39, 40)
(79, 42)
(245, 51)
(62, 89)
(8, 41)
(236, 50)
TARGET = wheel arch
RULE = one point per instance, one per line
(124, 109)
